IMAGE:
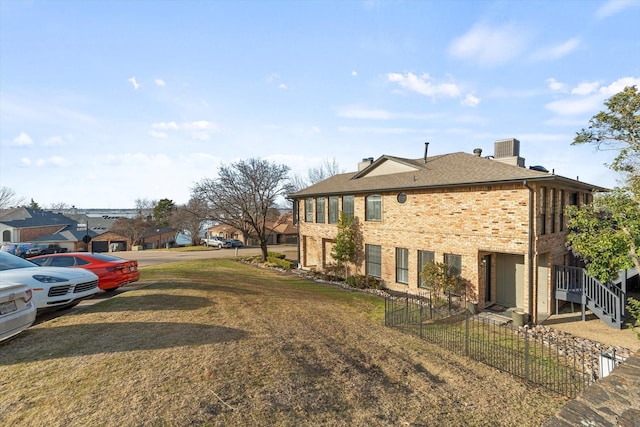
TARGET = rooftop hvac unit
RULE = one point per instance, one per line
(506, 148)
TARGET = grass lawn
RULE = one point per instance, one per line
(217, 342)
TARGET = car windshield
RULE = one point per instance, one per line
(9, 262)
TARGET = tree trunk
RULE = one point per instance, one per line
(263, 247)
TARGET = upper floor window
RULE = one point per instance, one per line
(347, 206)
(373, 208)
(553, 210)
(333, 209)
(308, 209)
(562, 207)
(543, 210)
(320, 209)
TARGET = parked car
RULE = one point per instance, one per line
(112, 271)
(17, 311)
(52, 287)
(214, 241)
(232, 243)
(18, 249)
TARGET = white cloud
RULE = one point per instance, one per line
(157, 134)
(488, 45)
(588, 97)
(424, 85)
(557, 51)
(555, 85)
(159, 82)
(133, 82)
(357, 112)
(199, 130)
(613, 7)
(585, 88)
(375, 130)
(619, 85)
(25, 161)
(22, 140)
(470, 101)
(165, 125)
(354, 73)
(56, 161)
(282, 86)
(54, 140)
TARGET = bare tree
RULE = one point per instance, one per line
(145, 207)
(8, 198)
(59, 206)
(132, 228)
(329, 168)
(190, 218)
(244, 194)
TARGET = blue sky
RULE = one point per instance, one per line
(106, 102)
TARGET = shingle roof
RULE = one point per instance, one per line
(27, 217)
(446, 170)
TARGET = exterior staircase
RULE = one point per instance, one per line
(605, 300)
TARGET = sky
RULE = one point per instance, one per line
(103, 103)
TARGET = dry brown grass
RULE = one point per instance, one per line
(221, 343)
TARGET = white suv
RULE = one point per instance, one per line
(215, 241)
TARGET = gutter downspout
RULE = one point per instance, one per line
(534, 316)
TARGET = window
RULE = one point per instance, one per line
(553, 210)
(561, 210)
(373, 256)
(402, 265)
(402, 197)
(308, 209)
(373, 208)
(347, 206)
(423, 258)
(573, 199)
(333, 210)
(543, 209)
(454, 262)
(320, 209)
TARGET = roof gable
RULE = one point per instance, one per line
(387, 165)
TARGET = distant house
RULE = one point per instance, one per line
(280, 231)
(495, 222)
(42, 227)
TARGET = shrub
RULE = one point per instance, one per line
(275, 261)
(275, 255)
(634, 310)
(360, 281)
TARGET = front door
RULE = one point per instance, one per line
(510, 280)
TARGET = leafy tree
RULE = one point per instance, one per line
(244, 195)
(617, 128)
(34, 205)
(162, 212)
(345, 247)
(606, 234)
(8, 198)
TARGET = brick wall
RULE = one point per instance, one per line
(469, 221)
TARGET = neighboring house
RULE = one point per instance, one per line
(498, 224)
(42, 227)
(162, 237)
(279, 231)
(110, 242)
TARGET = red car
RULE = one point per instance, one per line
(112, 271)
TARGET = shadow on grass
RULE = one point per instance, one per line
(204, 285)
(151, 302)
(51, 343)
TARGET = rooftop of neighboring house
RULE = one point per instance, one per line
(390, 173)
(27, 217)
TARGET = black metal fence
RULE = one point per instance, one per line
(553, 363)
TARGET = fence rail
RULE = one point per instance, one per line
(555, 364)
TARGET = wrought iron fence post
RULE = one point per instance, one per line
(466, 335)
(420, 319)
(526, 353)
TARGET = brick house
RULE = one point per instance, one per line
(499, 224)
